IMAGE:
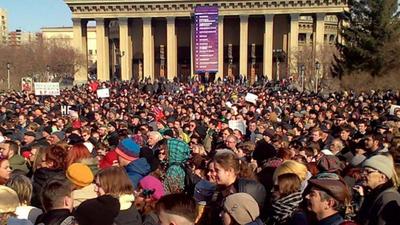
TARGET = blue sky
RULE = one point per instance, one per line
(31, 15)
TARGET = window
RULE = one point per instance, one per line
(332, 39)
(302, 38)
(90, 52)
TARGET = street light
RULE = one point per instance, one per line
(48, 73)
(8, 75)
(302, 68)
(317, 67)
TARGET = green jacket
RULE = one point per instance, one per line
(18, 162)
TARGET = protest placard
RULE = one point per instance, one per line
(27, 84)
(393, 108)
(250, 97)
(237, 124)
(47, 88)
(103, 93)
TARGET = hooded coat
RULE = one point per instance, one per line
(136, 170)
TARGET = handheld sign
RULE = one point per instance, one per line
(237, 124)
(47, 88)
(103, 93)
(250, 97)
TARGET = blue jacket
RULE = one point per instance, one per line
(136, 170)
(256, 222)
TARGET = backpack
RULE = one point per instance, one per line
(190, 180)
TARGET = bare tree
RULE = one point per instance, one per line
(42, 60)
(308, 59)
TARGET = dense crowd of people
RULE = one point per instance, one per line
(199, 153)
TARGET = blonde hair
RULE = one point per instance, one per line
(200, 149)
(156, 134)
(291, 166)
(22, 186)
(9, 200)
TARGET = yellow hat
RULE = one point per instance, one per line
(80, 174)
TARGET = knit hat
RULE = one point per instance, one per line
(108, 160)
(242, 207)
(128, 149)
(79, 174)
(381, 163)
(151, 183)
(333, 185)
(9, 200)
(100, 211)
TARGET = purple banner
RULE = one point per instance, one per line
(206, 39)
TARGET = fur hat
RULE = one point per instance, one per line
(242, 207)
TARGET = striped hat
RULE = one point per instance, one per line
(128, 149)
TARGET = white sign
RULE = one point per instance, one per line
(238, 124)
(393, 108)
(47, 88)
(65, 110)
(27, 84)
(103, 93)
(250, 97)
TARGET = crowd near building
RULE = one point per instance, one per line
(146, 142)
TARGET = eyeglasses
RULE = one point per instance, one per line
(369, 171)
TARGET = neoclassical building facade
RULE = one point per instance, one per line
(154, 38)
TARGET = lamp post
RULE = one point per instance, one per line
(317, 67)
(48, 73)
(8, 75)
(302, 68)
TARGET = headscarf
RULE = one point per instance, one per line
(178, 154)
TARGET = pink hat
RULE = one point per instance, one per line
(151, 183)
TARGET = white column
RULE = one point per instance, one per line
(268, 46)
(172, 57)
(220, 73)
(293, 43)
(319, 31)
(244, 36)
(80, 44)
(191, 49)
(148, 49)
(103, 60)
(125, 47)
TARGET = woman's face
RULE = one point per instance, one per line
(211, 173)
(223, 176)
(5, 171)
(98, 189)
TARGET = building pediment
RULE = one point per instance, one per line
(161, 8)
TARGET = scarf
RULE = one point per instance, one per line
(178, 154)
(284, 207)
